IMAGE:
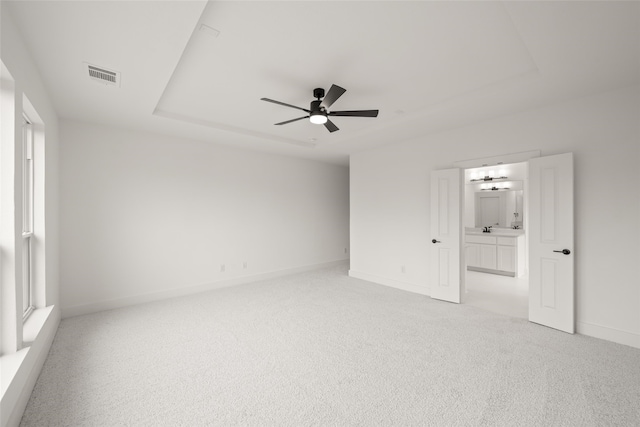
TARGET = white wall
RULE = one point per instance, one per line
(20, 370)
(147, 216)
(390, 201)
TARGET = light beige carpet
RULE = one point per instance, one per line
(324, 349)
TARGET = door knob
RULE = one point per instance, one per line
(564, 251)
(435, 241)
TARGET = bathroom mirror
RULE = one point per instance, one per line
(501, 208)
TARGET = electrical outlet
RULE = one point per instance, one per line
(404, 270)
(345, 250)
(244, 265)
(222, 268)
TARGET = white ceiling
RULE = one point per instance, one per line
(426, 65)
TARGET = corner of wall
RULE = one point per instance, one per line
(405, 286)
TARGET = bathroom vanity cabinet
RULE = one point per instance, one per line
(495, 253)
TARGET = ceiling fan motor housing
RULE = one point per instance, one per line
(315, 106)
(317, 113)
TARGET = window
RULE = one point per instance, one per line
(27, 316)
(24, 307)
(27, 217)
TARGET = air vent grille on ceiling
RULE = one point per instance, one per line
(104, 76)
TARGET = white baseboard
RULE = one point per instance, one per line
(95, 307)
(390, 282)
(609, 334)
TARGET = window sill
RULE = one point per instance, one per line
(34, 323)
(10, 363)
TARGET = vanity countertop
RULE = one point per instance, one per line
(500, 232)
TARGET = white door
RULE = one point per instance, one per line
(445, 235)
(489, 211)
(551, 258)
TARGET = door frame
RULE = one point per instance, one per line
(485, 162)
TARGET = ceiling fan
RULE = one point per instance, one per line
(318, 113)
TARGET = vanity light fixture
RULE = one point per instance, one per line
(488, 176)
(495, 188)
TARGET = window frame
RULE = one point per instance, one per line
(28, 191)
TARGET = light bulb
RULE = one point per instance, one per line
(318, 119)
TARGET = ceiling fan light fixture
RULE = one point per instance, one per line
(318, 118)
(317, 111)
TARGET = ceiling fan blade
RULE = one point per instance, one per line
(291, 121)
(330, 126)
(286, 105)
(358, 113)
(334, 93)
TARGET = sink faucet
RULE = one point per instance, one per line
(486, 229)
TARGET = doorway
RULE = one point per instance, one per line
(547, 220)
(494, 239)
